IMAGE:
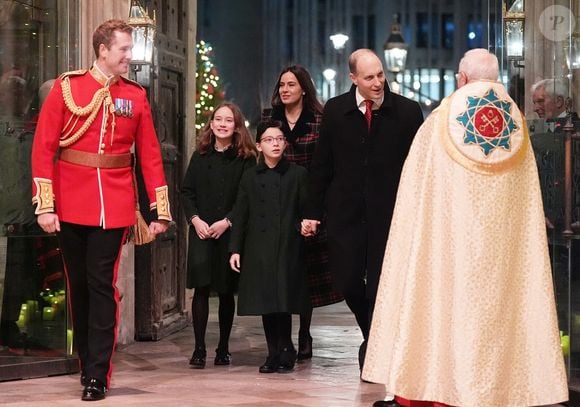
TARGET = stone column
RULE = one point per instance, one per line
(190, 106)
(92, 14)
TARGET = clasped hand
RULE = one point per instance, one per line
(158, 226)
(205, 231)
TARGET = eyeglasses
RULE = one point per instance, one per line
(270, 140)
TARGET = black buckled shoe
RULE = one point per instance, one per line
(287, 360)
(270, 365)
(222, 357)
(94, 390)
(84, 379)
(197, 360)
(304, 347)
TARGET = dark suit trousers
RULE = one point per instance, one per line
(91, 256)
(360, 305)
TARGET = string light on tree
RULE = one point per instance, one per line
(209, 90)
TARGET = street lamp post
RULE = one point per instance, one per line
(395, 53)
(329, 90)
(339, 41)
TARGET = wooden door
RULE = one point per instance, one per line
(160, 267)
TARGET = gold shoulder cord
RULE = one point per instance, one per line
(102, 96)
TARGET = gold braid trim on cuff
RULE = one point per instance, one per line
(101, 97)
(44, 198)
(162, 203)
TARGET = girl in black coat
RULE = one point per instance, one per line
(267, 244)
(224, 151)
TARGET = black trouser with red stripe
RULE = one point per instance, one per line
(91, 256)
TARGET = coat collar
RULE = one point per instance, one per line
(280, 168)
(229, 153)
(301, 128)
(349, 104)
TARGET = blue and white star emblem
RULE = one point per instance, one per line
(487, 122)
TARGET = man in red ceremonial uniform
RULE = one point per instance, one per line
(90, 121)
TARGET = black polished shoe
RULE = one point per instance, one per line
(362, 351)
(222, 357)
(84, 379)
(94, 390)
(304, 347)
(383, 403)
(197, 360)
(287, 360)
(270, 365)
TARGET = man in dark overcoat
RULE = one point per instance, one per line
(365, 136)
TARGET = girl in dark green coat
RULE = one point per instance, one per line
(224, 151)
(267, 247)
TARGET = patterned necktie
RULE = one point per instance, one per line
(368, 111)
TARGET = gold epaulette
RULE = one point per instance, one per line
(132, 82)
(73, 73)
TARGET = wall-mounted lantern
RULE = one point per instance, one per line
(513, 25)
(395, 48)
(144, 29)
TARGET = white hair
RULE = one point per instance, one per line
(478, 64)
(553, 87)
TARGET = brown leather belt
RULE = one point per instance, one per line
(96, 160)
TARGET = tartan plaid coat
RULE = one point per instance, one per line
(302, 140)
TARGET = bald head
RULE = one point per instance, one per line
(366, 72)
(363, 53)
(478, 64)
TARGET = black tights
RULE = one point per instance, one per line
(305, 321)
(200, 314)
(278, 330)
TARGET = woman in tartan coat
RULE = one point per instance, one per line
(295, 105)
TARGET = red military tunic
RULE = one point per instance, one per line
(87, 195)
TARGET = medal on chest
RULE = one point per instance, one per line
(123, 107)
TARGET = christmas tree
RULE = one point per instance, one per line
(209, 90)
